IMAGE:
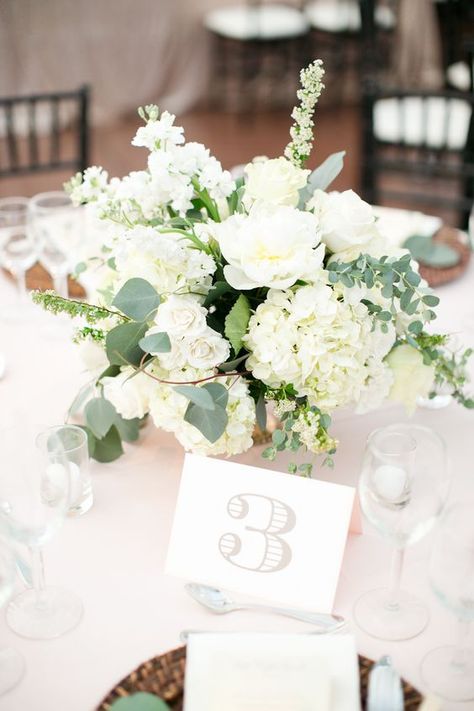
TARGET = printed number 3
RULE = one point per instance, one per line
(271, 551)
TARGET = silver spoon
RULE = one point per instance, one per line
(219, 602)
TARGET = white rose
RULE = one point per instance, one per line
(270, 247)
(345, 220)
(93, 356)
(276, 181)
(206, 351)
(180, 316)
(411, 377)
(129, 396)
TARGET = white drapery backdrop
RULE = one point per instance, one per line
(134, 52)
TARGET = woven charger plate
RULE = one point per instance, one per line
(38, 278)
(164, 676)
(454, 238)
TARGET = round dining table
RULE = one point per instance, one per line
(113, 556)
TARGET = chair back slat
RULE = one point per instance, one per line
(35, 122)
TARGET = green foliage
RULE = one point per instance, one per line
(261, 412)
(322, 177)
(155, 343)
(197, 395)
(99, 415)
(121, 343)
(218, 289)
(231, 365)
(207, 408)
(137, 299)
(55, 304)
(109, 447)
(141, 701)
(434, 254)
(129, 430)
(236, 322)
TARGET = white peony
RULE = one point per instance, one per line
(411, 377)
(276, 182)
(314, 341)
(345, 221)
(181, 316)
(129, 395)
(270, 247)
(167, 408)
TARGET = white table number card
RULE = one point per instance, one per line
(259, 532)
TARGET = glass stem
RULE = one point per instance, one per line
(38, 575)
(395, 577)
(22, 290)
(458, 659)
(60, 285)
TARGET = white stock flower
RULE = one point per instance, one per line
(276, 182)
(345, 221)
(313, 341)
(156, 133)
(166, 260)
(411, 377)
(270, 247)
(181, 316)
(167, 409)
(129, 395)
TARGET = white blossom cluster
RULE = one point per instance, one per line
(298, 150)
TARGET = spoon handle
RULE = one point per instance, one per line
(315, 618)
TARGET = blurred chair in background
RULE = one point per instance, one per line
(418, 150)
(44, 132)
(258, 49)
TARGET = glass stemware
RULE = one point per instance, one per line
(56, 225)
(449, 670)
(34, 500)
(76, 450)
(12, 665)
(17, 247)
(403, 488)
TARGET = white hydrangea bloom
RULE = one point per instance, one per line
(167, 408)
(312, 340)
(271, 247)
(129, 395)
(166, 260)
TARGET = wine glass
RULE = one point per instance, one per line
(449, 670)
(56, 225)
(12, 665)
(403, 488)
(34, 500)
(17, 248)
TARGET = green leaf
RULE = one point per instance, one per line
(232, 364)
(413, 278)
(430, 300)
(129, 430)
(261, 412)
(292, 468)
(155, 343)
(219, 288)
(137, 299)
(211, 423)
(81, 397)
(100, 415)
(406, 298)
(269, 453)
(415, 327)
(279, 438)
(121, 343)
(236, 322)
(141, 701)
(218, 392)
(110, 372)
(322, 176)
(109, 447)
(434, 254)
(199, 396)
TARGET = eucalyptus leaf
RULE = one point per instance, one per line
(431, 253)
(109, 447)
(218, 392)
(100, 415)
(236, 322)
(156, 343)
(141, 701)
(77, 404)
(129, 430)
(219, 288)
(137, 299)
(211, 423)
(322, 177)
(110, 372)
(198, 396)
(261, 412)
(121, 343)
(232, 364)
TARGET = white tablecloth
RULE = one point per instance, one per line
(113, 556)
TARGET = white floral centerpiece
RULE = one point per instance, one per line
(217, 296)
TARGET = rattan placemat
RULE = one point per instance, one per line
(38, 278)
(453, 238)
(164, 676)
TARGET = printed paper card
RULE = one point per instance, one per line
(260, 532)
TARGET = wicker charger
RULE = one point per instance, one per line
(164, 676)
(435, 276)
(38, 278)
